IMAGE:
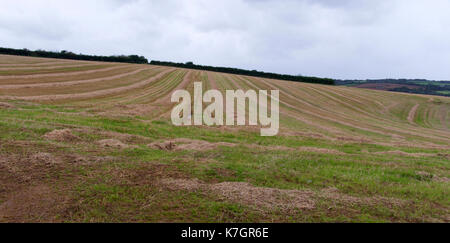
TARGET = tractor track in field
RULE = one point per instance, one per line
(292, 114)
(44, 75)
(343, 122)
(321, 116)
(46, 67)
(89, 95)
(212, 81)
(70, 83)
(154, 92)
(182, 85)
(234, 82)
(165, 100)
(330, 110)
(412, 113)
(29, 64)
(443, 119)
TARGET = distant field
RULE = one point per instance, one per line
(93, 142)
(387, 86)
(415, 86)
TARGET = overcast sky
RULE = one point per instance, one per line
(325, 38)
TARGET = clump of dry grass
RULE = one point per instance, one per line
(187, 144)
(262, 198)
(112, 143)
(62, 135)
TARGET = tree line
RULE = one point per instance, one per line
(426, 89)
(393, 81)
(141, 59)
(73, 56)
(254, 73)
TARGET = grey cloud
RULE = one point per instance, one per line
(339, 39)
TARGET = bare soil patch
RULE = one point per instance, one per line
(24, 194)
(146, 173)
(33, 204)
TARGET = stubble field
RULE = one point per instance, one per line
(93, 142)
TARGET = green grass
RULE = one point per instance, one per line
(104, 197)
(333, 149)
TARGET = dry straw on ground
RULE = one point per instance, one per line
(62, 135)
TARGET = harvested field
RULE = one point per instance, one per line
(93, 142)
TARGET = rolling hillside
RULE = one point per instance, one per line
(92, 141)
